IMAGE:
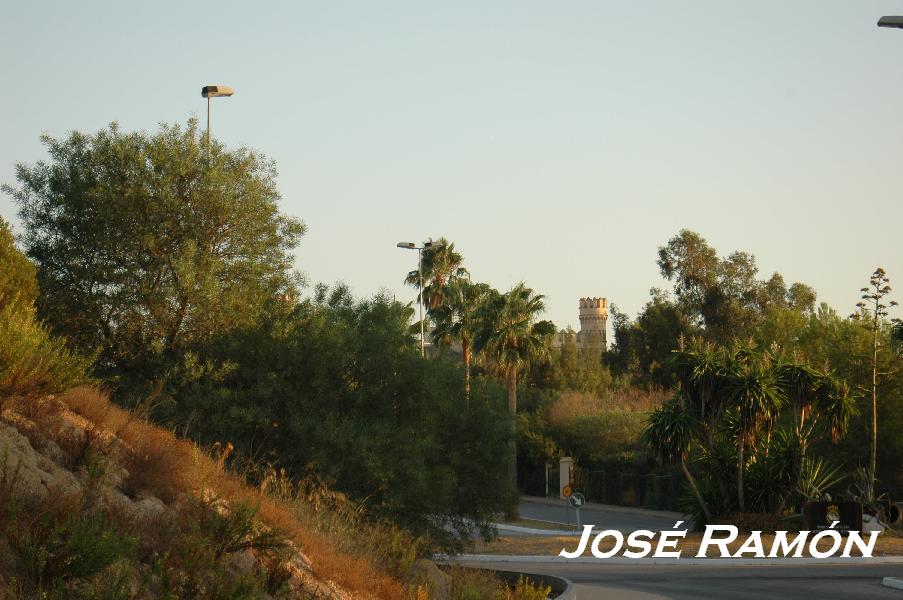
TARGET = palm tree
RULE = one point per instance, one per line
(699, 372)
(753, 390)
(441, 264)
(457, 318)
(509, 336)
(812, 395)
(671, 432)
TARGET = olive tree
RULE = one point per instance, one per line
(148, 243)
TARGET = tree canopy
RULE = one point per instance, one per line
(146, 243)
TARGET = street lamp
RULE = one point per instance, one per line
(893, 22)
(213, 91)
(426, 246)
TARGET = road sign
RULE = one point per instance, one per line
(577, 500)
(566, 491)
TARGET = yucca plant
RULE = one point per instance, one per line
(671, 432)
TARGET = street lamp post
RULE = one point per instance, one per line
(420, 249)
(893, 22)
(212, 91)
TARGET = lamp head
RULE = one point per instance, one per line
(894, 22)
(213, 91)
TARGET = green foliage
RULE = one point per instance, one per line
(509, 337)
(478, 584)
(338, 386)
(32, 362)
(509, 334)
(235, 528)
(441, 266)
(736, 409)
(194, 560)
(718, 299)
(148, 243)
(56, 551)
(18, 283)
(572, 368)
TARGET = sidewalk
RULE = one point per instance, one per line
(607, 507)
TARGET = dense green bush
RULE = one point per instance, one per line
(18, 283)
(337, 386)
(31, 361)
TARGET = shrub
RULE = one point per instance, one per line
(58, 546)
(18, 283)
(479, 584)
(31, 361)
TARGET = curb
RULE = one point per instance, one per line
(607, 507)
(639, 562)
(532, 531)
(893, 582)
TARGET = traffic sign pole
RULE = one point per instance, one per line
(577, 500)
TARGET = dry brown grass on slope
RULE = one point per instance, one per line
(571, 405)
(164, 466)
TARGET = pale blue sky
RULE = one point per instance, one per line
(558, 143)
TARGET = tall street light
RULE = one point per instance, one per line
(213, 91)
(420, 249)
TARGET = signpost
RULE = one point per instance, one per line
(577, 500)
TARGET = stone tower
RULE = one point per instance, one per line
(593, 319)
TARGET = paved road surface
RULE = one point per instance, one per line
(722, 582)
(597, 515)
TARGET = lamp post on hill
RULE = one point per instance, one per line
(420, 249)
(213, 91)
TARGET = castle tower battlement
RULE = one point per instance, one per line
(593, 315)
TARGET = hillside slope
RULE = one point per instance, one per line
(96, 503)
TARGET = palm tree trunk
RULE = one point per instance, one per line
(465, 351)
(695, 489)
(710, 445)
(512, 410)
(740, 468)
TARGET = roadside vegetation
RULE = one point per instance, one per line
(155, 298)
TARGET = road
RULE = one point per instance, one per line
(690, 582)
(599, 515)
(656, 582)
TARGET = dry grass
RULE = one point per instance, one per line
(887, 545)
(166, 467)
(571, 405)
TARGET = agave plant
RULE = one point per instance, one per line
(816, 477)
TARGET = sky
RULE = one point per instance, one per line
(556, 143)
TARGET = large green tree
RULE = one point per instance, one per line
(723, 295)
(148, 243)
(510, 336)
